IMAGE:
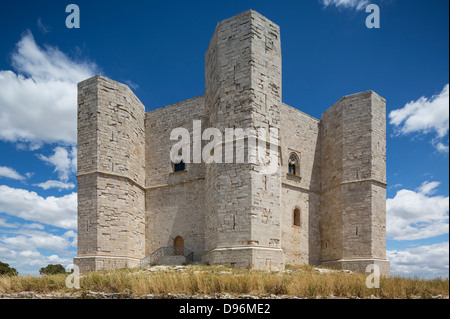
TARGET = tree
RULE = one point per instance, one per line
(6, 270)
(52, 270)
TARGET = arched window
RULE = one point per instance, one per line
(297, 216)
(293, 165)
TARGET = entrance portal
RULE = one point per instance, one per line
(178, 246)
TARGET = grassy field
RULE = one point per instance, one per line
(300, 281)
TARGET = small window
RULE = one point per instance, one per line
(296, 216)
(293, 165)
(180, 166)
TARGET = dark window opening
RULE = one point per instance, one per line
(293, 165)
(179, 166)
(297, 217)
(292, 169)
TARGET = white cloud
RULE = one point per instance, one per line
(28, 262)
(10, 173)
(412, 215)
(36, 239)
(396, 186)
(56, 211)
(55, 184)
(29, 175)
(425, 115)
(20, 246)
(441, 147)
(428, 188)
(39, 102)
(71, 235)
(4, 223)
(131, 84)
(32, 226)
(347, 4)
(64, 162)
(428, 261)
(73, 159)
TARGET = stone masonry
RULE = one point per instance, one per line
(325, 204)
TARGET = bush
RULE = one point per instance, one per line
(52, 270)
(6, 270)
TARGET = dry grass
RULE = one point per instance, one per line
(301, 281)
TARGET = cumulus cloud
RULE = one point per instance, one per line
(38, 103)
(412, 215)
(5, 224)
(36, 239)
(63, 160)
(441, 147)
(22, 246)
(425, 115)
(39, 98)
(346, 4)
(29, 261)
(428, 261)
(55, 184)
(10, 173)
(55, 211)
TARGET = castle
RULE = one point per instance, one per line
(324, 204)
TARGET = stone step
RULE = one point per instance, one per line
(171, 260)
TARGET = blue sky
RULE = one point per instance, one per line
(158, 48)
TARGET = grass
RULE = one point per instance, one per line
(301, 281)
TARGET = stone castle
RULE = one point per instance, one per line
(325, 204)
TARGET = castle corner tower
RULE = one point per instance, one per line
(111, 194)
(353, 203)
(243, 90)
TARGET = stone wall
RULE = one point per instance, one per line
(331, 176)
(300, 136)
(174, 200)
(158, 126)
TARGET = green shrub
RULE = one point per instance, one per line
(6, 270)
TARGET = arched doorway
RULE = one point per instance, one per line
(178, 246)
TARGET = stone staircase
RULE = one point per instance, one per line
(168, 256)
(170, 260)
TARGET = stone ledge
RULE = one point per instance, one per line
(293, 177)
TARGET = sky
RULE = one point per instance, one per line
(157, 48)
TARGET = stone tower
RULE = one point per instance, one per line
(111, 176)
(243, 90)
(353, 203)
